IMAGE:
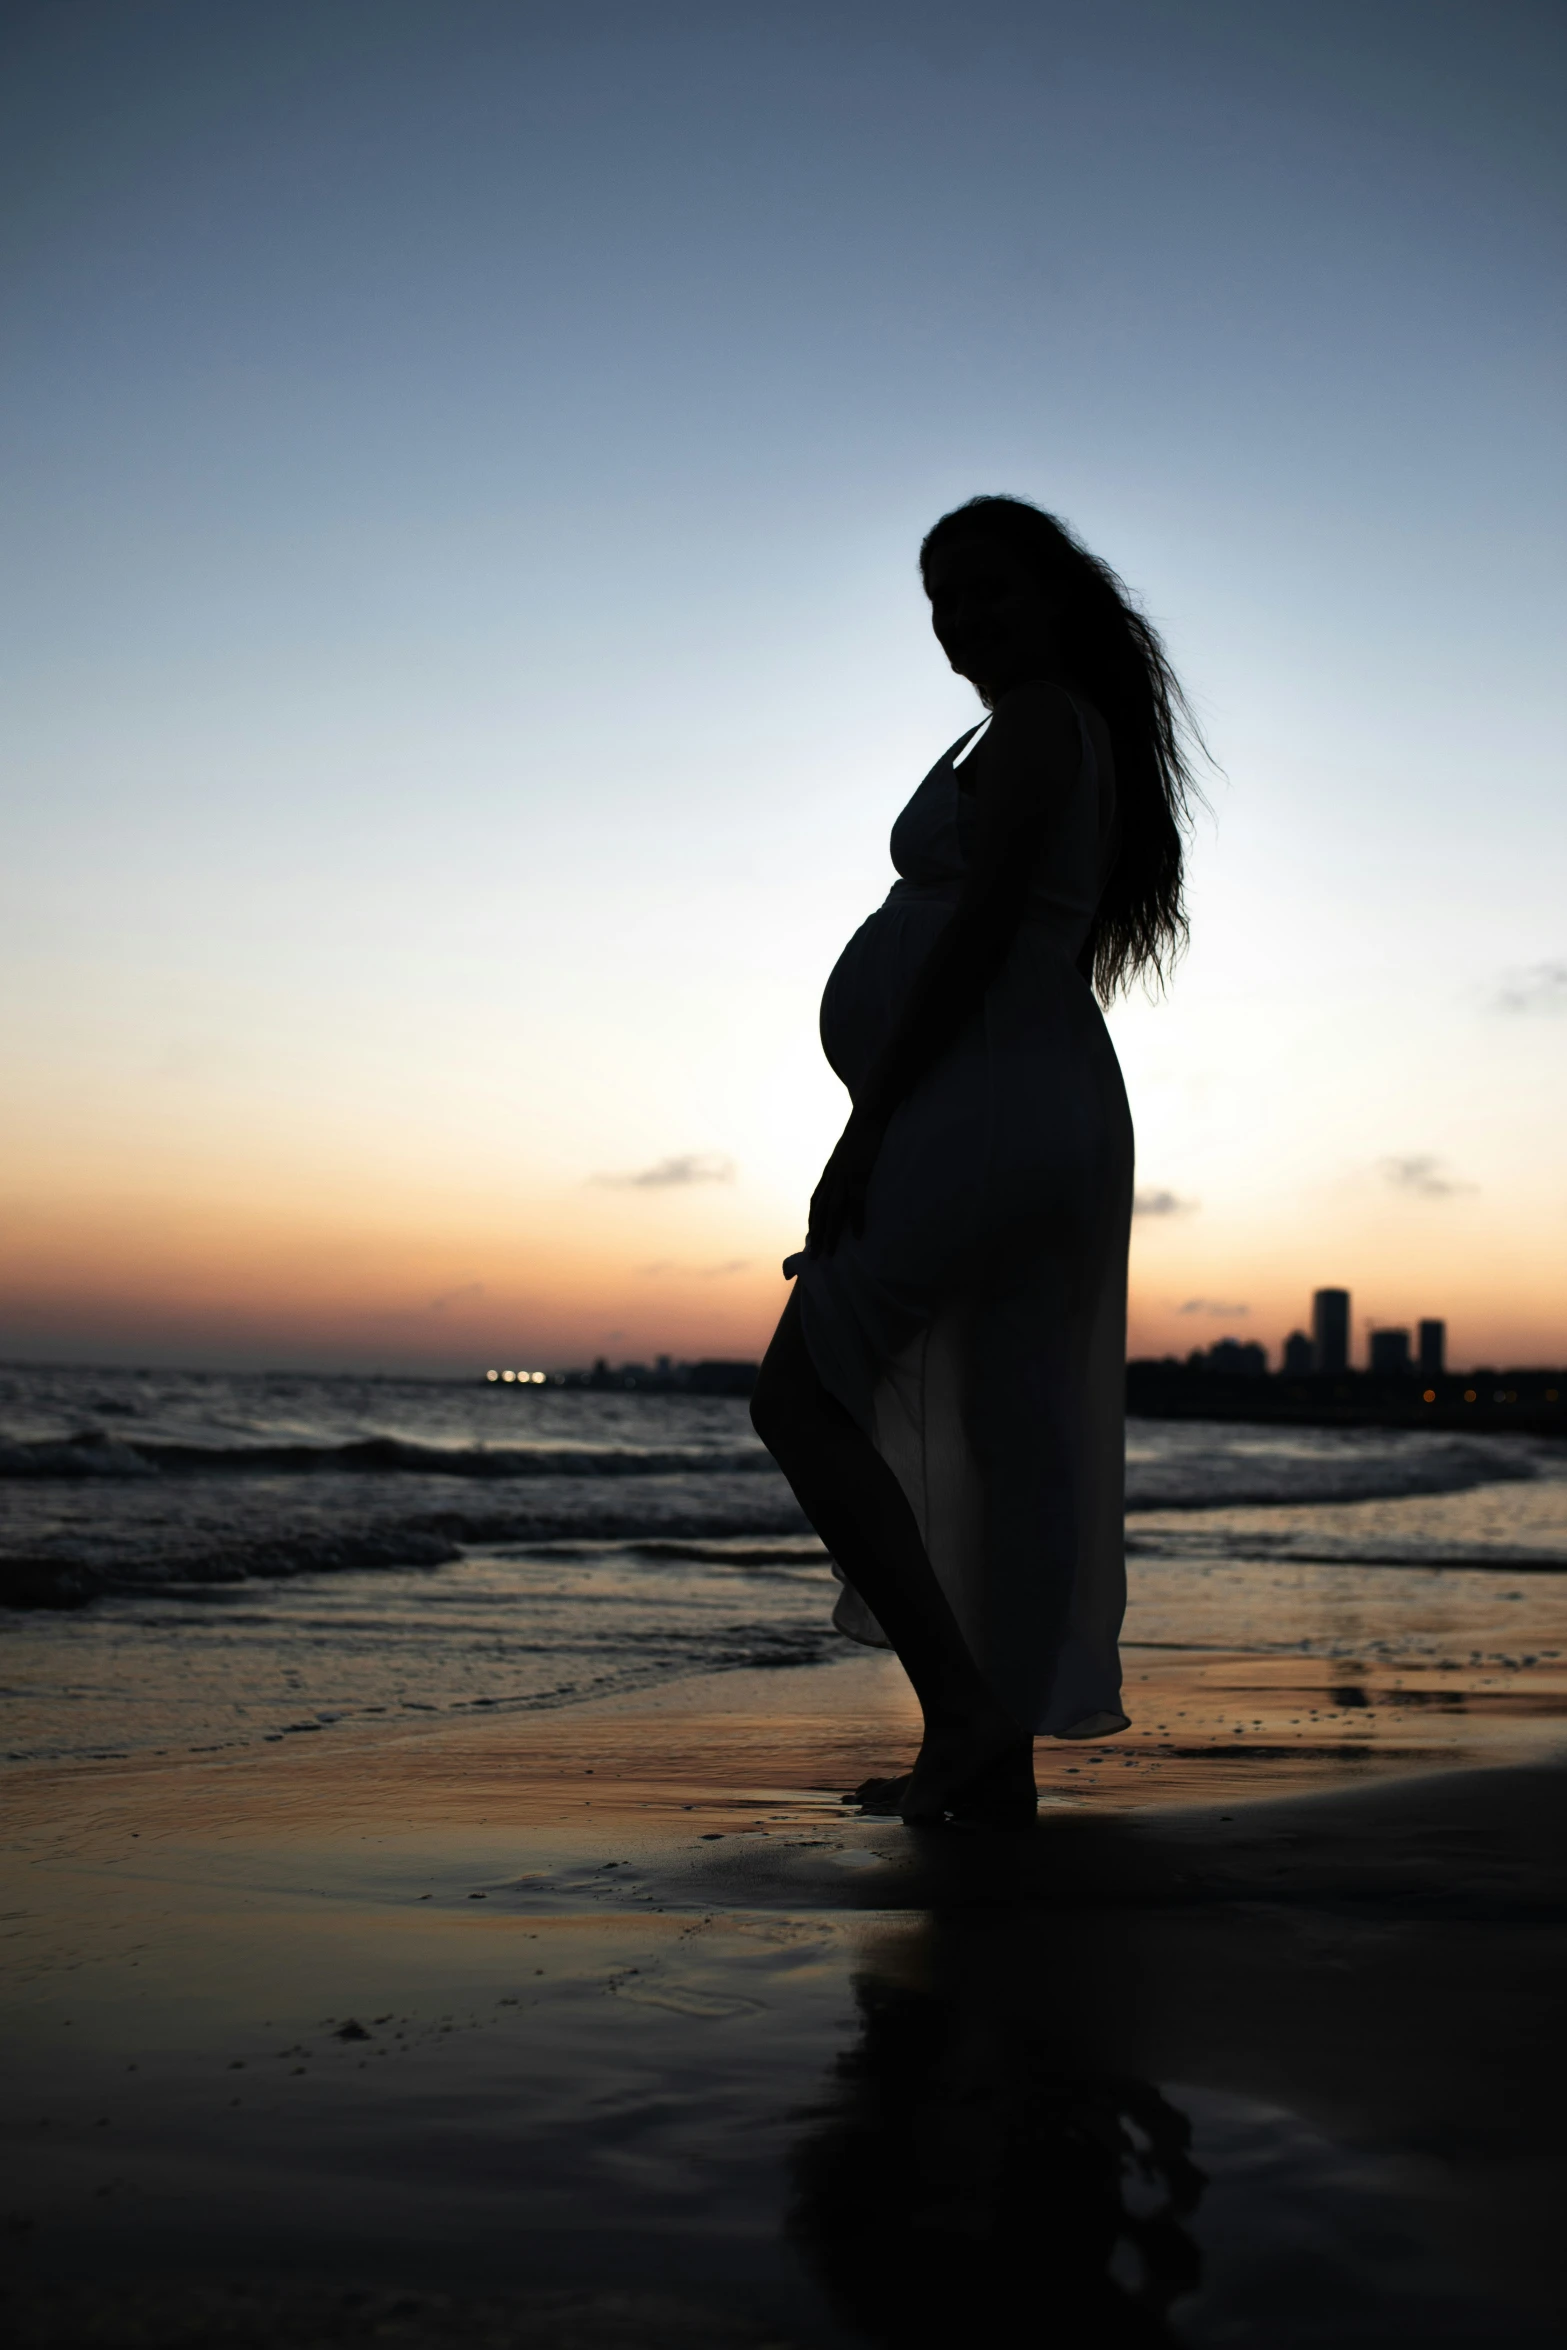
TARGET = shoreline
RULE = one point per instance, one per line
(1193, 1725)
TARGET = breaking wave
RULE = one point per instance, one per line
(94, 1453)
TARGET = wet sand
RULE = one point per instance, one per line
(613, 2026)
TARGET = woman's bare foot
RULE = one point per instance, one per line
(979, 1773)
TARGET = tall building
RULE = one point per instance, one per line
(1297, 1353)
(1330, 1330)
(1389, 1350)
(1433, 1349)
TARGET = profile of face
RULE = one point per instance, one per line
(992, 618)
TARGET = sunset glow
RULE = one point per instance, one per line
(468, 655)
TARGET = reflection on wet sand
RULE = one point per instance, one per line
(971, 2161)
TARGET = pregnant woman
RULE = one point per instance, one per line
(945, 1390)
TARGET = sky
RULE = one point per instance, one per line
(463, 647)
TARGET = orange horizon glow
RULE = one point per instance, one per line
(447, 1233)
(175, 1283)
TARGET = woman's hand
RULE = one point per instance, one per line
(839, 1198)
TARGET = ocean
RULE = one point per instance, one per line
(193, 1561)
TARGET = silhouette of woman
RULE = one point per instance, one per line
(945, 1390)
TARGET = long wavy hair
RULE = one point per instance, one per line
(1117, 660)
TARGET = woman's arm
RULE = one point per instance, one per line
(1022, 772)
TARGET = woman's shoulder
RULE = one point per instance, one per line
(1045, 719)
(1036, 724)
(1041, 705)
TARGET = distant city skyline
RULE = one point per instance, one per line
(1423, 1350)
(464, 652)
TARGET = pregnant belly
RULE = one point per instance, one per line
(870, 982)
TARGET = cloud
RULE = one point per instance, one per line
(1160, 1203)
(1213, 1305)
(1425, 1176)
(670, 1174)
(1542, 988)
(464, 1295)
(445, 1301)
(666, 1265)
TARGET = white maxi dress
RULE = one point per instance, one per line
(976, 1328)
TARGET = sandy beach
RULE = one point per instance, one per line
(613, 2025)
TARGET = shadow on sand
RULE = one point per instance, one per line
(971, 2161)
